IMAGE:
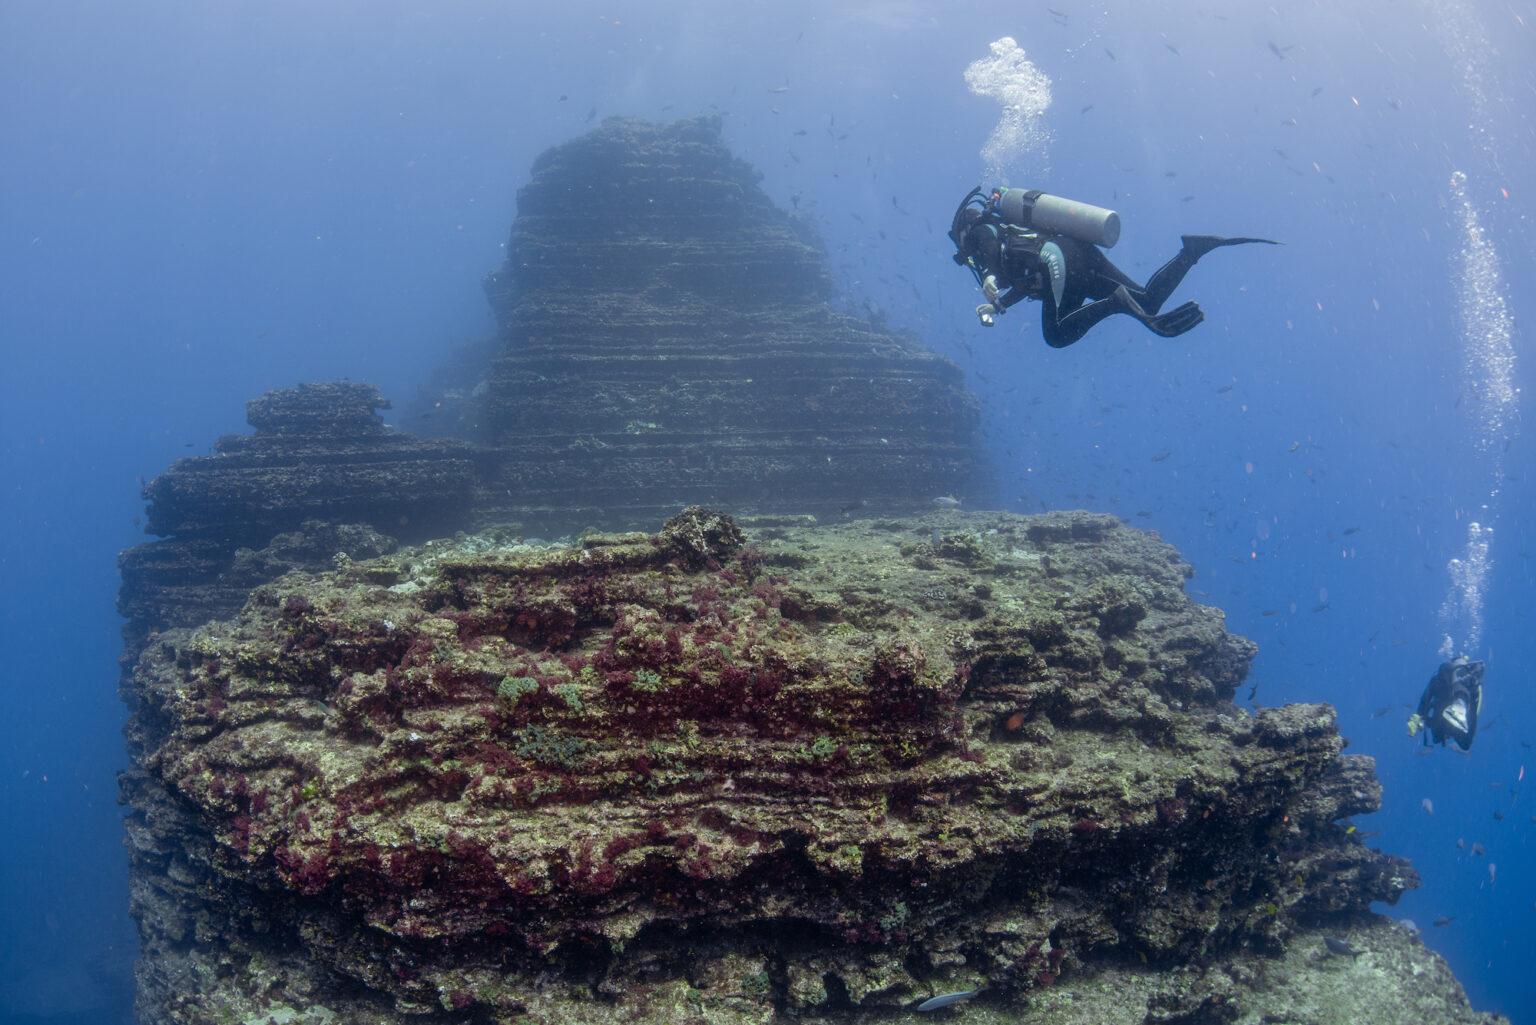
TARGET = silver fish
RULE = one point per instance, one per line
(947, 502)
(945, 999)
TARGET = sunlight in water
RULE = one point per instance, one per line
(1025, 93)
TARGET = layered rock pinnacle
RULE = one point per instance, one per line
(668, 337)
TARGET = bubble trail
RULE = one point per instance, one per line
(1025, 93)
(1487, 334)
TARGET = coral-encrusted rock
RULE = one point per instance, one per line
(697, 777)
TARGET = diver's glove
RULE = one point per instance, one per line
(1415, 724)
(989, 288)
(985, 313)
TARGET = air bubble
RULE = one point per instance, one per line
(1025, 93)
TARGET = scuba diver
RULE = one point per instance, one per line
(1450, 703)
(1023, 244)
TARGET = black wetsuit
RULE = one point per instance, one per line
(1460, 680)
(1092, 287)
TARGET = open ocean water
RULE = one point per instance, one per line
(203, 201)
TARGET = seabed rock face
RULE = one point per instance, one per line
(747, 773)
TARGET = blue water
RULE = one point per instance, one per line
(201, 201)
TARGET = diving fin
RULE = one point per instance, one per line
(1176, 321)
(1196, 246)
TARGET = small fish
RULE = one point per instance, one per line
(590, 115)
(1162, 456)
(851, 507)
(1086, 109)
(1383, 710)
(1339, 948)
(1270, 612)
(1295, 445)
(1279, 53)
(1317, 90)
(945, 999)
(1350, 530)
(1186, 199)
(1172, 49)
(1442, 921)
(1428, 806)
(1461, 843)
(1493, 873)
(1498, 816)
(947, 502)
(1225, 388)
(1478, 850)
(562, 98)
(779, 89)
(800, 131)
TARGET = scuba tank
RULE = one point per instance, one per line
(1031, 208)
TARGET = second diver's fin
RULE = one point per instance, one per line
(1196, 246)
(1176, 321)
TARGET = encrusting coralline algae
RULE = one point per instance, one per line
(741, 773)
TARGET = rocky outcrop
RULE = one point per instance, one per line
(321, 476)
(320, 452)
(665, 337)
(668, 338)
(747, 774)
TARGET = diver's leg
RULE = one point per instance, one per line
(1167, 277)
(1061, 330)
(1098, 275)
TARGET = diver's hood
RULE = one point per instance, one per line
(1467, 673)
(957, 223)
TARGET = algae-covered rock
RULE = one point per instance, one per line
(740, 773)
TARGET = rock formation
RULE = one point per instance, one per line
(321, 475)
(738, 771)
(728, 775)
(668, 338)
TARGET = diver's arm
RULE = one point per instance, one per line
(1012, 297)
(1436, 692)
(1427, 700)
